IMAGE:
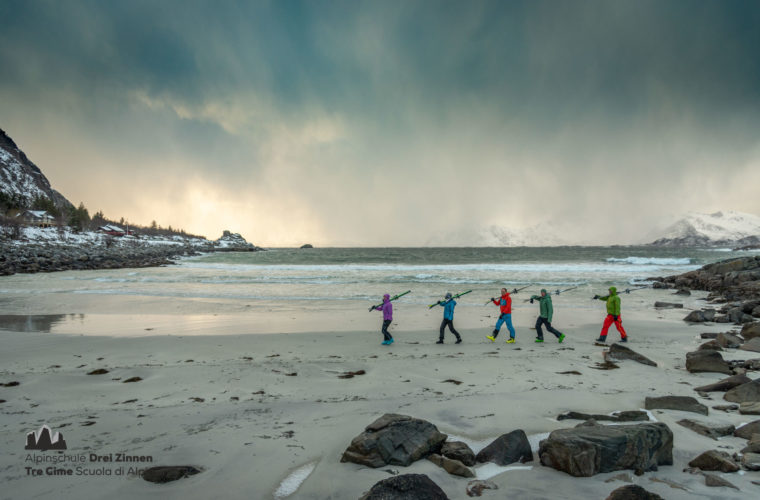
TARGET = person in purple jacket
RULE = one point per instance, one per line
(387, 309)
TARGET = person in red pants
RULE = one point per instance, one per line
(613, 316)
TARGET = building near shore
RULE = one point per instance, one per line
(114, 230)
(39, 218)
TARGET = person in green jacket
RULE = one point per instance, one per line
(613, 315)
(546, 312)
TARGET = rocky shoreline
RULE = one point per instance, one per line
(732, 279)
(734, 287)
(36, 258)
(45, 257)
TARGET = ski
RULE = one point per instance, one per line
(392, 299)
(452, 298)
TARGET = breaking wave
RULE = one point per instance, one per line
(656, 261)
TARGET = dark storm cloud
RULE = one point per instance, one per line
(401, 105)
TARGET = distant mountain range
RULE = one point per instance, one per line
(716, 229)
(540, 235)
(726, 229)
(21, 180)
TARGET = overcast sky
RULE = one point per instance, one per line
(388, 122)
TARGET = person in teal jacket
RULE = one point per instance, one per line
(613, 315)
(448, 318)
(546, 311)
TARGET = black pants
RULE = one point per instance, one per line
(450, 323)
(386, 324)
(540, 332)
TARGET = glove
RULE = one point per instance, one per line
(492, 299)
(614, 317)
(531, 301)
(596, 296)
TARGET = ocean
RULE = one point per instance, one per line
(303, 282)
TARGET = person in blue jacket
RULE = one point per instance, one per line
(448, 318)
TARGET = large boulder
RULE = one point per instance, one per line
(683, 403)
(706, 361)
(714, 481)
(695, 317)
(585, 451)
(633, 492)
(726, 340)
(406, 487)
(707, 430)
(750, 408)
(507, 449)
(667, 305)
(714, 460)
(394, 440)
(749, 306)
(712, 345)
(751, 461)
(746, 431)
(169, 473)
(750, 331)
(475, 488)
(619, 352)
(753, 446)
(752, 345)
(744, 393)
(738, 316)
(233, 242)
(725, 384)
(453, 467)
(620, 416)
(457, 450)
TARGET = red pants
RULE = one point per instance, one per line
(608, 321)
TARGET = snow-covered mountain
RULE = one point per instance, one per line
(540, 235)
(716, 229)
(22, 180)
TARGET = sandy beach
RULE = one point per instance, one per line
(267, 416)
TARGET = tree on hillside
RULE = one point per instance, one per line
(79, 218)
(46, 204)
(98, 220)
(11, 202)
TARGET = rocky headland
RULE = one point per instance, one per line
(734, 287)
(98, 251)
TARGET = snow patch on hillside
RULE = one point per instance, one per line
(52, 236)
(14, 180)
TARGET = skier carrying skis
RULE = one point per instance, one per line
(505, 307)
(448, 318)
(387, 309)
(546, 311)
(613, 315)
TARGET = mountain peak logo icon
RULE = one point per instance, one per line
(44, 440)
